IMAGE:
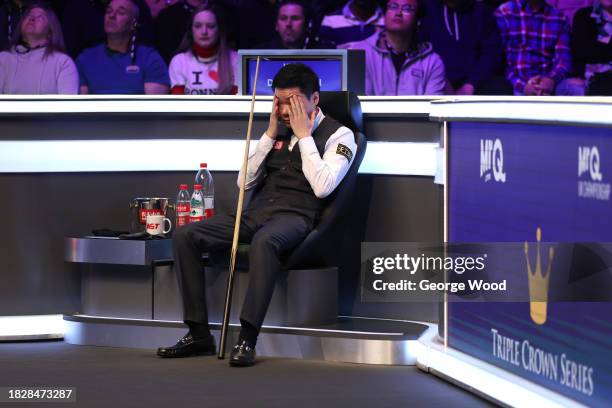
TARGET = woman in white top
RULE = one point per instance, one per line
(36, 62)
(205, 65)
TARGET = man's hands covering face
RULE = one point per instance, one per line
(301, 122)
(272, 131)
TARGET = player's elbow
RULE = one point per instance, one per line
(324, 189)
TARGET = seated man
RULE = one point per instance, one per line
(293, 174)
(293, 28)
(536, 40)
(82, 22)
(121, 66)
(397, 63)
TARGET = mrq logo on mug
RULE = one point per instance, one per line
(155, 225)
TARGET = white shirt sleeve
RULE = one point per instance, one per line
(325, 173)
(176, 71)
(257, 156)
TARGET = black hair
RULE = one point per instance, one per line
(305, 8)
(297, 75)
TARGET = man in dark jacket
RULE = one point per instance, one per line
(466, 36)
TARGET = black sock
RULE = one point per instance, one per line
(198, 330)
(248, 332)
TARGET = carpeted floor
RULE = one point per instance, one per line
(116, 377)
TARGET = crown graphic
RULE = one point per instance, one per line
(538, 282)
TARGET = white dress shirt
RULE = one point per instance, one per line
(323, 173)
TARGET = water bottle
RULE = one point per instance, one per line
(197, 204)
(183, 206)
(204, 178)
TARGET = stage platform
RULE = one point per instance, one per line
(351, 339)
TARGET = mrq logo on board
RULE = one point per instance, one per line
(591, 184)
(492, 160)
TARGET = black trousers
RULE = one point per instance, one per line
(271, 234)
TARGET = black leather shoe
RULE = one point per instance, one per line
(242, 355)
(188, 346)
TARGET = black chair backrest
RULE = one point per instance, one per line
(320, 246)
(344, 107)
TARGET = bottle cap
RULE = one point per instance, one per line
(183, 187)
(203, 165)
(197, 187)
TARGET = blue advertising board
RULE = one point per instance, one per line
(527, 182)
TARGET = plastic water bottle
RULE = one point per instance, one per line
(183, 206)
(197, 204)
(204, 178)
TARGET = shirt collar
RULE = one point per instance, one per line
(318, 119)
(346, 11)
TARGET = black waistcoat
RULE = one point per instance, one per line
(285, 188)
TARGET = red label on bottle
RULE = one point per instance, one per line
(144, 213)
(209, 212)
(183, 207)
(182, 220)
(195, 219)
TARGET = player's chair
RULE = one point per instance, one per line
(306, 293)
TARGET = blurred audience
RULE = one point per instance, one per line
(206, 65)
(465, 35)
(536, 41)
(121, 65)
(592, 47)
(252, 21)
(10, 14)
(156, 6)
(83, 23)
(569, 7)
(356, 21)
(413, 47)
(294, 28)
(171, 25)
(36, 62)
(320, 8)
(396, 62)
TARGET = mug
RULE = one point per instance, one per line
(155, 224)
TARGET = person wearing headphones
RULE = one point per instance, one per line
(37, 62)
(121, 65)
(294, 28)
